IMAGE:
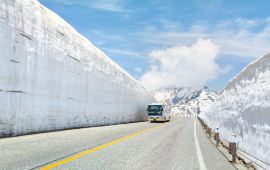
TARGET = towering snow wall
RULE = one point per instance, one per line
(53, 78)
(242, 110)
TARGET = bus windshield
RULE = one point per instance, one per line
(155, 109)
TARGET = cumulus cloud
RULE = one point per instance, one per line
(182, 66)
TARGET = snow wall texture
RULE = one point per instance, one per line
(242, 110)
(53, 78)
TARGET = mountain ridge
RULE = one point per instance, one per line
(185, 99)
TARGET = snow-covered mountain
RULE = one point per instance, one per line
(172, 96)
(186, 100)
(242, 109)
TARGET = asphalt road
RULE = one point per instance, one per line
(179, 144)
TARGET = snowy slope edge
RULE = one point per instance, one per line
(242, 110)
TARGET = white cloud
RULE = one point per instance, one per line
(182, 66)
(106, 5)
(237, 37)
(123, 52)
(246, 23)
(138, 69)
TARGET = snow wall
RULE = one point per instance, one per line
(53, 78)
(242, 110)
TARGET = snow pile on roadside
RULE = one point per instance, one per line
(242, 110)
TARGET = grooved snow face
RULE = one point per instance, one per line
(53, 78)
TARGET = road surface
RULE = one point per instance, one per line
(179, 144)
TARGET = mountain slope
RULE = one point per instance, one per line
(186, 100)
(195, 102)
(172, 96)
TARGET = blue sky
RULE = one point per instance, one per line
(143, 37)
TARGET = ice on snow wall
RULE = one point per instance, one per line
(53, 78)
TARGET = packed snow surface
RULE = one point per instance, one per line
(53, 78)
(242, 110)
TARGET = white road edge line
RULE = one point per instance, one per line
(198, 149)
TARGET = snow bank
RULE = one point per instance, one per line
(53, 78)
(242, 110)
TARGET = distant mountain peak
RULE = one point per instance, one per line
(181, 95)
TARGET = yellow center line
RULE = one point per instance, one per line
(86, 152)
